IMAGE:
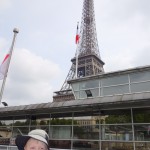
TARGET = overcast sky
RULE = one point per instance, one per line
(46, 42)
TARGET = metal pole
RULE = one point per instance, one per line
(77, 42)
(7, 67)
(76, 63)
(133, 134)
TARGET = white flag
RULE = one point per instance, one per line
(4, 66)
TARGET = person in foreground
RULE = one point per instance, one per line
(35, 140)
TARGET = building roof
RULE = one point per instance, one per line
(111, 74)
(79, 107)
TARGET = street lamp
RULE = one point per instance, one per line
(5, 104)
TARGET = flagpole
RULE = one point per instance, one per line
(5, 74)
(77, 41)
(76, 63)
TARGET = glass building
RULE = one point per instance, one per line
(111, 112)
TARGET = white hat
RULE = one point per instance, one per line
(37, 134)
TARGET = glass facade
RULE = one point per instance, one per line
(116, 84)
(122, 129)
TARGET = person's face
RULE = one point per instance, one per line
(34, 144)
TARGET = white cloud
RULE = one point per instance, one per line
(123, 33)
(4, 4)
(3, 43)
(29, 79)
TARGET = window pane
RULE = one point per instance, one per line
(75, 86)
(117, 146)
(5, 132)
(141, 115)
(85, 120)
(142, 132)
(117, 116)
(95, 92)
(83, 94)
(115, 80)
(116, 90)
(139, 87)
(6, 122)
(61, 121)
(89, 84)
(116, 132)
(89, 93)
(62, 144)
(86, 132)
(86, 145)
(20, 131)
(60, 132)
(24, 121)
(142, 145)
(45, 128)
(140, 76)
(76, 95)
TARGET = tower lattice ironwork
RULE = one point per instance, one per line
(89, 60)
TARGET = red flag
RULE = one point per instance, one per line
(77, 39)
(4, 66)
(77, 35)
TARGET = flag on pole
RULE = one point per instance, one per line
(4, 66)
(77, 42)
(77, 35)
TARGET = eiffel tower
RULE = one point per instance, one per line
(89, 61)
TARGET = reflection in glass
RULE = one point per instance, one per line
(45, 127)
(117, 146)
(116, 90)
(20, 131)
(122, 117)
(60, 132)
(6, 123)
(140, 87)
(62, 144)
(142, 145)
(140, 76)
(115, 80)
(5, 132)
(75, 86)
(141, 116)
(142, 132)
(21, 122)
(61, 121)
(83, 94)
(76, 95)
(86, 132)
(95, 92)
(86, 145)
(89, 93)
(89, 84)
(117, 132)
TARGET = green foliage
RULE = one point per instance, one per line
(61, 121)
(141, 118)
(42, 122)
(118, 119)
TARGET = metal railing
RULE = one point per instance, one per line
(7, 147)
